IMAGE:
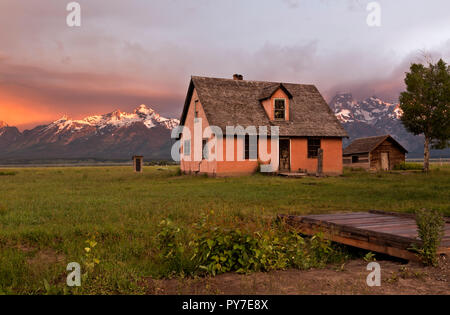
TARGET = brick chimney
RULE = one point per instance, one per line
(238, 77)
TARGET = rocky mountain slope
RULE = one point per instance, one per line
(373, 117)
(116, 135)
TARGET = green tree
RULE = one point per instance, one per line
(426, 105)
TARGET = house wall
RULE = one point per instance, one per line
(396, 156)
(332, 153)
(269, 104)
(332, 147)
(362, 163)
(192, 166)
(231, 168)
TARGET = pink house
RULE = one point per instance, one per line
(299, 113)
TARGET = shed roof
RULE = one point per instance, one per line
(229, 102)
(366, 145)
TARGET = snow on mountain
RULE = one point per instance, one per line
(116, 135)
(115, 119)
(373, 117)
(370, 110)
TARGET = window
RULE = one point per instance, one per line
(355, 159)
(250, 151)
(205, 149)
(313, 147)
(195, 109)
(187, 147)
(280, 108)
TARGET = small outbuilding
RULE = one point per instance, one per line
(138, 163)
(379, 153)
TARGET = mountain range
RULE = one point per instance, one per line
(119, 135)
(375, 117)
(116, 135)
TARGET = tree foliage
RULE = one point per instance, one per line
(426, 102)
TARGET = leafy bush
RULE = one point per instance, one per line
(430, 224)
(173, 256)
(214, 250)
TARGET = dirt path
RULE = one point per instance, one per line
(396, 278)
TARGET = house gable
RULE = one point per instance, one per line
(194, 109)
(269, 103)
(229, 102)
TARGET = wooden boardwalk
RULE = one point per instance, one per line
(383, 232)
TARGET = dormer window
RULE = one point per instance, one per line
(280, 108)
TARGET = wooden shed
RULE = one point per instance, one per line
(379, 153)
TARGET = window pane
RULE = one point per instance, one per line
(250, 152)
(280, 106)
(205, 149)
(313, 147)
(187, 147)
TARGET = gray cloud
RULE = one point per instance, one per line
(133, 52)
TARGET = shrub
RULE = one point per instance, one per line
(216, 250)
(173, 255)
(430, 225)
(168, 242)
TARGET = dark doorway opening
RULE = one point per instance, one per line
(285, 154)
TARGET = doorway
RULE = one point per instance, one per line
(138, 165)
(384, 161)
(285, 155)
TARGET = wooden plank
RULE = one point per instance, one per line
(341, 215)
(402, 214)
(363, 242)
(368, 221)
(385, 223)
(393, 235)
(362, 218)
(355, 232)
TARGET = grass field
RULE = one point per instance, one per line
(47, 214)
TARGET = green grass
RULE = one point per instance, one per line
(47, 214)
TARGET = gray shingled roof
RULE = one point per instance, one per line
(365, 145)
(228, 102)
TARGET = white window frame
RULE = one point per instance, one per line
(285, 108)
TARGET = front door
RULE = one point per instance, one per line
(384, 161)
(285, 153)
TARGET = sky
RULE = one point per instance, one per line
(127, 53)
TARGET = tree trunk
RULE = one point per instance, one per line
(426, 155)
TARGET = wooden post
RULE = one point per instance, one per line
(138, 163)
(319, 162)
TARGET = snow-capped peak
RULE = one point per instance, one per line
(143, 109)
(116, 119)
